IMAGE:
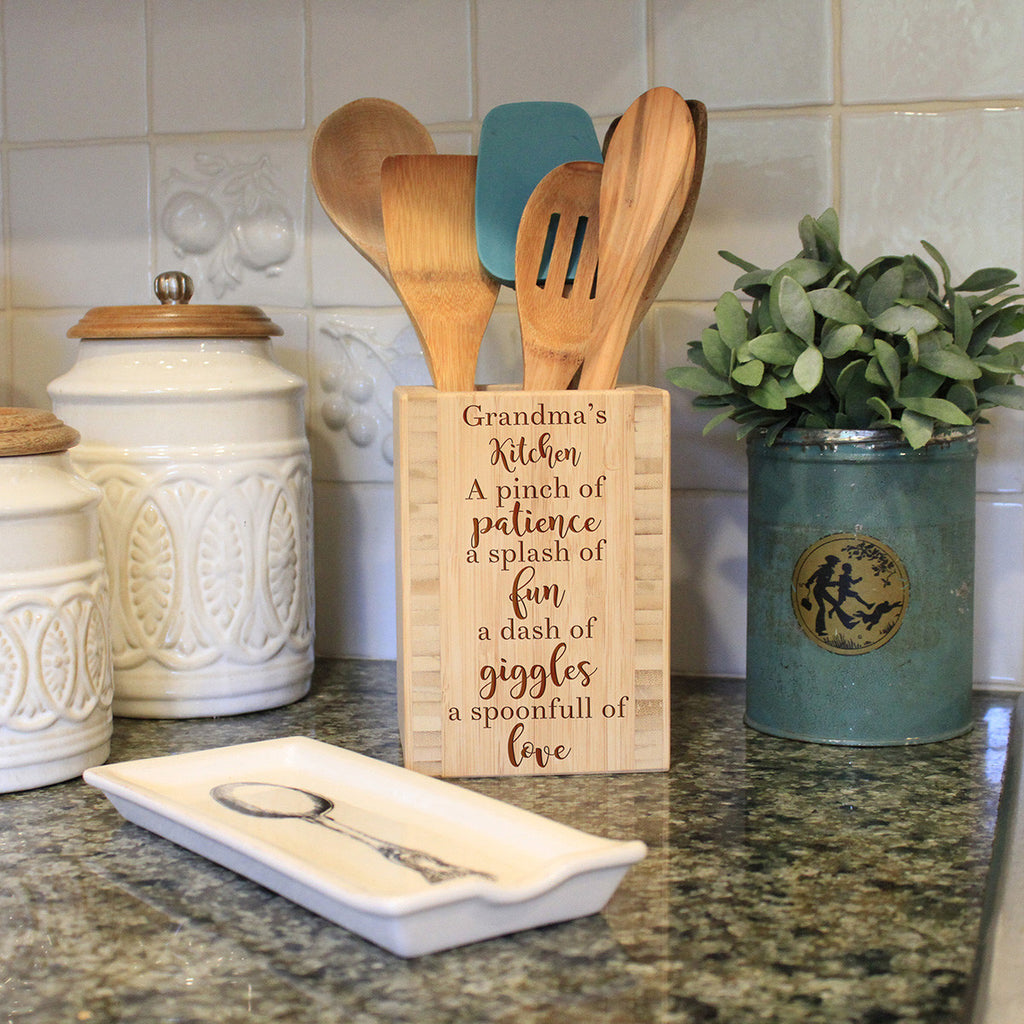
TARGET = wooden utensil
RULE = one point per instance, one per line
(667, 259)
(348, 149)
(555, 275)
(429, 229)
(647, 174)
(519, 144)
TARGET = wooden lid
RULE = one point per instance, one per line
(174, 317)
(34, 432)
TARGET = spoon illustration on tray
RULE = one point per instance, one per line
(271, 800)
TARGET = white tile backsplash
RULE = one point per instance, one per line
(41, 350)
(998, 592)
(588, 52)
(227, 65)
(114, 108)
(79, 225)
(924, 50)
(414, 52)
(744, 53)
(953, 178)
(74, 71)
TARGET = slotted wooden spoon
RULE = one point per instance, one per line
(428, 205)
(647, 174)
(556, 262)
(348, 149)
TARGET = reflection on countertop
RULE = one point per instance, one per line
(784, 882)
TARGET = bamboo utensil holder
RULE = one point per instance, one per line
(533, 592)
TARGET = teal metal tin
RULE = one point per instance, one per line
(860, 588)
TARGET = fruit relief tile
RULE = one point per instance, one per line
(357, 361)
(233, 218)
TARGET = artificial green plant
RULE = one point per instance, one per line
(823, 345)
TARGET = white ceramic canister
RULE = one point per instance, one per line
(55, 671)
(197, 438)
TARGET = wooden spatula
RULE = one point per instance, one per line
(556, 263)
(428, 205)
(647, 174)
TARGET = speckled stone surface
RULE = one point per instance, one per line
(785, 882)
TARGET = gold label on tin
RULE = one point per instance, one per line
(850, 593)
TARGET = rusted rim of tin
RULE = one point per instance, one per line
(881, 439)
(34, 432)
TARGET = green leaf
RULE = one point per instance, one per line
(917, 429)
(1011, 321)
(769, 395)
(839, 341)
(963, 397)
(916, 283)
(795, 308)
(913, 345)
(716, 352)
(983, 280)
(780, 348)
(884, 412)
(963, 322)
(737, 261)
(715, 420)
(829, 224)
(933, 283)
(950, 362)
(1009, 395)
(939, 409)
(749, 374)
(696, 378)
(838, 305)
(808, 368)
(901, 319)
(920, 383)
(889, 361)
(943, 265)
(731, 318)
(753, 282)
(885, 291)
(805, 271)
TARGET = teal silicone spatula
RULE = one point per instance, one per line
(519, 144)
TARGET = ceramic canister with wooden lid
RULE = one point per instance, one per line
(55, 669)
(196, 436)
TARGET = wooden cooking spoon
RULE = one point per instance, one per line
(348, 149)
(675, 241)
(555, 277)
(647, 174)
(429, 227)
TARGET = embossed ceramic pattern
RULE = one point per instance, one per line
(199, 447)
(232, 217)
(55, 667)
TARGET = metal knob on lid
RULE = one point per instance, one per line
(173, 287)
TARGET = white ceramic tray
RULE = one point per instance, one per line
(409, 862)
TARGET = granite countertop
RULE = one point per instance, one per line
(784, 882)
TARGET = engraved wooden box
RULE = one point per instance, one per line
(533, 591)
